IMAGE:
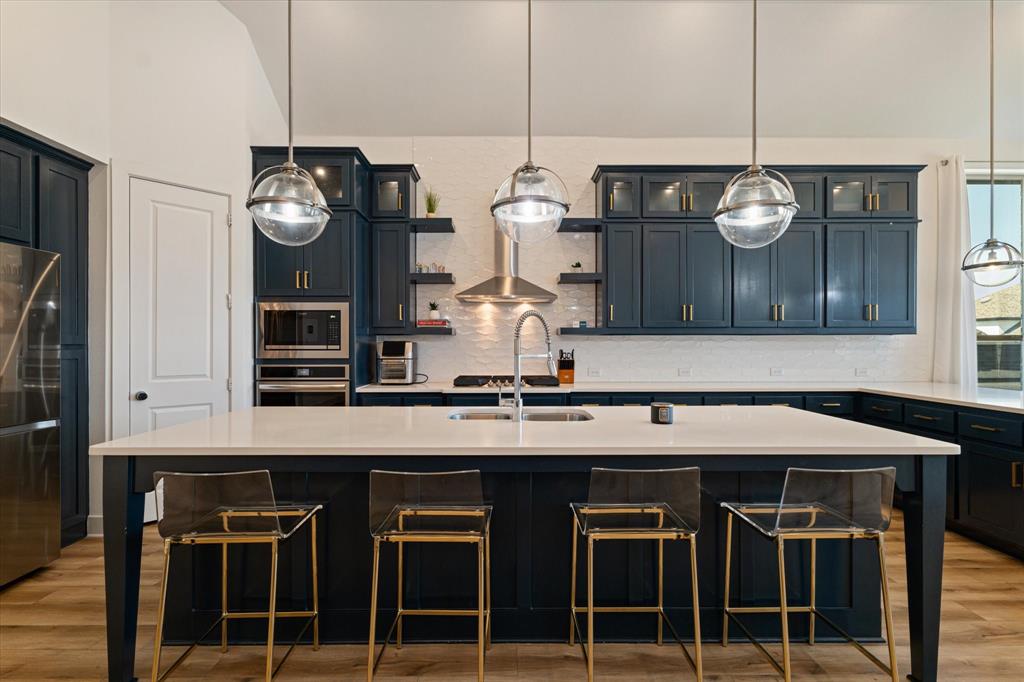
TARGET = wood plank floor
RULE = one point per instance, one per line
(52, 628)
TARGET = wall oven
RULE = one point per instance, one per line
(302, 385)
(302, 330)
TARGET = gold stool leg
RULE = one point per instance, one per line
(272, 610)
(697, 657)
(783, 612)
(401, 589)
(814, 590)
(661, 589)
(373, 609)
(728, 571)
(590, 609)
(224, 597)
(888, 610)
(487, 573)
(480, 611)
(316, 583)
(572, 587)
(158, 638)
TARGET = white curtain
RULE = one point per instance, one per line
(956, 345)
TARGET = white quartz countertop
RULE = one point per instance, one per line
(369, 431)
(952, 394)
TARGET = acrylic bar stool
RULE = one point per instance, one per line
(444, 507)
(816, 505)
(630, 504)
(228, 509)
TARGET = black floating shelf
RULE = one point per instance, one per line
(580, 277)
(582, 331)
(431, 278)
(580, 225)
(433, 331)
(432, 226)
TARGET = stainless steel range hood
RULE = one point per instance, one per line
(506, 286)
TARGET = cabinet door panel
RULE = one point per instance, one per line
(328, 260)
(63, 211)
(664, 273)
(391, 195)
(808, 190)
(621, 196)
(989, 502)
(332, 175)
(895, 195)
(74, 442)
(664, 196)
(848, 287)
(708, 277)
(705, 190)
(754, 287)
(623, 275)
(894, 252)
(800, 276)
(15, 192)
(847, 196)
(278, 267)
(391, 276)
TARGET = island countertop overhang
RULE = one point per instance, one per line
(427, 431)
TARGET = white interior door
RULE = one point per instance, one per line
(179, 279)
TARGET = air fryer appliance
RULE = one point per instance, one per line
(396, 362)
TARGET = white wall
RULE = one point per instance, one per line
(465, 171)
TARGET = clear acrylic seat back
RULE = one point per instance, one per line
(829, 499)
(676, 492)
(196, 505)
(395, 494)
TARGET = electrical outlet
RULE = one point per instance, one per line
(776, 371)
(593, 371)
(684, 372)
(860, 372)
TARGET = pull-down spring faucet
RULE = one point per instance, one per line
(518, 356)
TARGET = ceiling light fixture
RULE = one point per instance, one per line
(992, 263)
(287, 206)
(530, 204)
(757, 205)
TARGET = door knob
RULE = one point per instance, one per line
(141, 395)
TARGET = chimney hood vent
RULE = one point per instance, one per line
(506, 286)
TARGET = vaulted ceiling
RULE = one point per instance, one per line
(645, 68)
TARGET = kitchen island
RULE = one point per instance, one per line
(531, 472)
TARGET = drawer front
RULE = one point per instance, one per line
(829, 404)
(590, 400)
(423, 401)
(992, 429)
(678, 398)
(880, 408)
(380, 400)
(931, 418)
(796, 401)
(728, 400)
(631, 399)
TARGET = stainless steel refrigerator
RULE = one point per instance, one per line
(29, 410)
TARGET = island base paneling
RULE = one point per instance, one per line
(531, 562)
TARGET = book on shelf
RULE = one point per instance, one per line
(433, 323)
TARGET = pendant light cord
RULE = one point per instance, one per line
(753, 117)
(290, 155)
(529, 82)
(991, 119)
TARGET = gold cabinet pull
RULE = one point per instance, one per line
(831, 404)
(691, 201)
(611, 312)
(876, 312)
(925, 417)
(691, 312)
(782, 312)
(611, 201)
(401, 312)
(884, 410)
(775, 312)
(305, 279)
(399, 201)
(987, 429)
(878, 202)
(867, 311)
(298, 284)
(591, 405)
(682, 203)
(1015, 481)
(684, 312)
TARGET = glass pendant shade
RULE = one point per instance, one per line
(287, 205)
(992, 263)
(755, 208)
(530, 204)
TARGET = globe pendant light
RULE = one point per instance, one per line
(757, 205)
(284, 200)
(530, 204)
(992, 263)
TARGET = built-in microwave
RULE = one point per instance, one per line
(302, 330)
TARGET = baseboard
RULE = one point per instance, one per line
(94, 525)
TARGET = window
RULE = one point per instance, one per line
(998, 310)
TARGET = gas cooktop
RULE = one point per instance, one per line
(503, 380)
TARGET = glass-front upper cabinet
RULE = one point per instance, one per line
(332, 175)
(704, 191)
(664, 196)
(394, 191)
(895, 195)
(849, 196)
(621, 196)
(807, 191)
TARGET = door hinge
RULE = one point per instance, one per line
(230, 385)
(229, 220)
(227, 298)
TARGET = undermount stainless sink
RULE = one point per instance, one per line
(528, 416)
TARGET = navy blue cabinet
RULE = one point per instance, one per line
(618, 195)
(708, 277)
(320, 268)
(676, 195)
(780, 285)
(622, 275)
(704, 191)
(394, 191)
(686, 276)
(991, 498)
(877, 195)
(391, 293)
(334, 175)
(15, 192)
(809, 193)
(871, 275)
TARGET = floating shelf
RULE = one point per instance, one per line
(433, 331)
(582, 331)
(432, 226)
(431, 278)
(580, 277)
(580, 225)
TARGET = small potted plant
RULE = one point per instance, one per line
(435, 313)
(577, 266)
(433, 201)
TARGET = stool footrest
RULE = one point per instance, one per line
(628, 609)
